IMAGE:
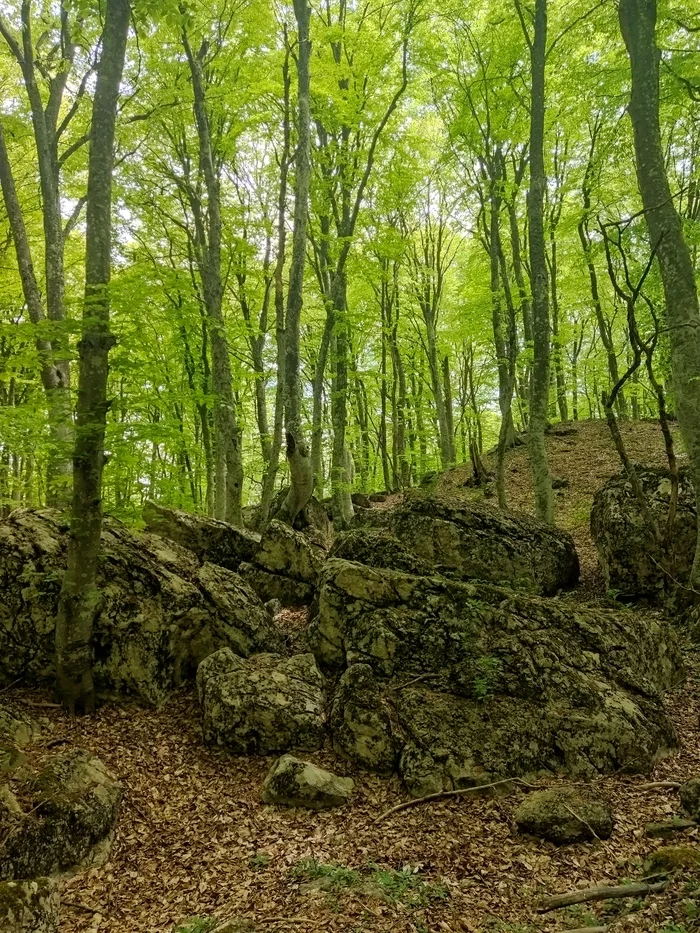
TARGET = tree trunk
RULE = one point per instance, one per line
(539, 391)
(80, 599)
(638, 24)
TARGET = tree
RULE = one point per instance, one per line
(79, 595)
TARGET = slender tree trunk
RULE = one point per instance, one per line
(539, 391)
(79, 602)
(638, 24)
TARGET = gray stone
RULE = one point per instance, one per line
(74, 808)
(628, 554)
(162, 612)
(360, 721)
(565, 814)
(286, 551)
(295, 783)
(29, 906)
(276, 586)
(263, 705)
(690, 798)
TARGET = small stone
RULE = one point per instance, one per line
(29, 906)
(565, 814)
(295, 783)
(673, 858)
(690, 797)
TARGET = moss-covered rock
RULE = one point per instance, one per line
(565, 814)
(261, 705)
(295, 783)
(690, 798)
(29, 906)
(481, 682)
(277, 586)
(161, 612)
(70, 823)
(360, 721)
(674, 859)
(474, 541)
(378, 547)
(628, 554)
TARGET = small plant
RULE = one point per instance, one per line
(259, 861)
(673, 928)
(487, 670)
(406, 886)
(196, 925)
(337, 876)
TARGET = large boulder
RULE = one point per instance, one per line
(470, 541)
(211, 540)
(312, 521)
(29, 906)
(73, 807)
(565, 814)
(629, 556)
(483, 682)
(161, 611)
(361, 722)
(263, 705)
(295, 783)
(285, 566)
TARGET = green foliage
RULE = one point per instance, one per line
(196, 925)
(404, 886)
(486, 677)
(259, 861)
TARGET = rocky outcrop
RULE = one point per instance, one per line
(211, 540)
(312, 521)
(378, 547)
(360, 721)
(565, 814)
(482, 682)
(263, 705)
(470, 541)
(631, 561)
(295, 783)
(29, 906)
(68, 823)
(161, 612)
(285, 567)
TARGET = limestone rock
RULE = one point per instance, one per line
(470, 541)
(360, 723)
(312, 521)
(18, 728)
(627, 552)
(483, 682)
(162, 612)
(565, 814)
(690, 798)
(261, 705)
(211, 540)
(378, 547)
(289, 552)
(295, 783)
(276, 586)
(29, 906)
(74, 808)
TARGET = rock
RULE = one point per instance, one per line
(360, 723)
(312, 521)
(565, 814)
(18, 728)
(482, 682)
(690, 798)
(470, 541)
(70, 823)
(264, 705)
(29, 906)
(628, 554)
(378, 547)
(277, 587)
(673, 859)
(295, 783)
(285, 566)
(211, 540)
(162, 612)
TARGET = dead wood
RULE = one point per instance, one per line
(637, 889)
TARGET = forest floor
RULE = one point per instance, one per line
(194, 837)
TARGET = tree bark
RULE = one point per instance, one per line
(638, 25)
(80, 599)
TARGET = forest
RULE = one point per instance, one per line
(349, 466)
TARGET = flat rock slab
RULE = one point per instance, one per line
(470, 541)
(29, 906)
(482, 682)
(162, 611)
(295, 783)
(263, 705)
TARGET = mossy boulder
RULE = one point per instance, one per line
(674, 859)
(474, 541)
(565, 814)
(277, 586)
(71, 820)
(481, 682)
(263, 705)
(285, 566)
(378, 547)
(29, 906)
(295, 783)
(162, 612)
(361, 722)
(629, 556)
(690, 798)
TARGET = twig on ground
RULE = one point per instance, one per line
(669, 785)
(445, 794)
(414, 680)
(637, 889)
(581, 820)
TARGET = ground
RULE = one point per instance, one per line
(194, 837)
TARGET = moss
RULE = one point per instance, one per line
(674, 858)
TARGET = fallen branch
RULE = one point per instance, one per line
(587, 930)
(414, 680)
(445, 794)
(670, 785)
(637, 889)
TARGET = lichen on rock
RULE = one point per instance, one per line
(295, 783)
